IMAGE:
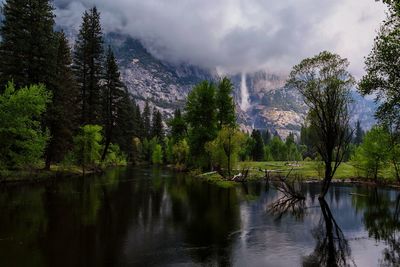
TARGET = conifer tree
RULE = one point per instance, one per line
(62, 116)
(157, 129)
(88, 60)
(146, 118)
(359, 134)
(258, 149)
(27, 48)
(112, 95)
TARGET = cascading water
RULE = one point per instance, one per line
(244, 94)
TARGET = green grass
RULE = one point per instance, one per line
(309, 170)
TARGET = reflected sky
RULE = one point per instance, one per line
(136, 217)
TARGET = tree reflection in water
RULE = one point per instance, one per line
(381, 219)
(332, 248)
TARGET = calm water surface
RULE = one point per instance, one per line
(134, 217)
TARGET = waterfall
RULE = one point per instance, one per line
(244, 94)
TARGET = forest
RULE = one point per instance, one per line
(66, 109)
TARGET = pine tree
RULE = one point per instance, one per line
(146, 118)
(266, 135)
(359, 134)
(112, 95)
(27, 48)
(62, 117)
(157, 129)
(258, 149)
(225, 104)
(88, 60)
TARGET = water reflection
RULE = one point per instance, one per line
(135, 217)
(332, 249)
(381, 219)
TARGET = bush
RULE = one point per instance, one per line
(157, 155)
(115, 156)
(88, 145)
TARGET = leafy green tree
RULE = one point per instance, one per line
(307, 139)
(115, 157)
(88, 65)
(62, 116)
(180, 152)
(157, 155)
(88, 145)
(381, 78)
(178, 126)
(113, 93)
(374, 152)
(245, 152)
(225, 104)
(202, 119)
(278, 148)
(325, 85)
(268, 154)
(22, 140)
(157, 128)
(258, 152)
(225, 148)
(27, 48)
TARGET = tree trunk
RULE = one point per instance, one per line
(327, 179)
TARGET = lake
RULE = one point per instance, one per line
(152, 217)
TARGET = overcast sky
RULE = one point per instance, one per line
(240, 35)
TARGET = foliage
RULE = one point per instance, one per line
(325, 84)
(180, 152)
(374, 152)
(225, 148)
(202, 119)
(62, 114)
(88, 65)
(157, 155)
(257, 151)
(278, 149)
(157, 128)
(115, 156)
(88, 145)
(27, 48)
(225, 104)
(381, 78)
(178, 126)
(22, 139)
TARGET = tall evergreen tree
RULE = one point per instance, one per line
(146, 118)
(62, 117)
(258, 149)
(88, 60)
(225, 104)
(27, 48)
(157, 129)
(359, 134)
(112, 95)
(266, 135)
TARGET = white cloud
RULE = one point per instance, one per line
(237, 35)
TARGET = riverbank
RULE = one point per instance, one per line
(305, 171)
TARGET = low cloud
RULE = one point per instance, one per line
(239, 35)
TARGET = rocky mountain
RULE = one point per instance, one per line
(263, 101)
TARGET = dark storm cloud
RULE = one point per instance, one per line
(239, 35)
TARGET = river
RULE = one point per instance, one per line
(153, 217)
